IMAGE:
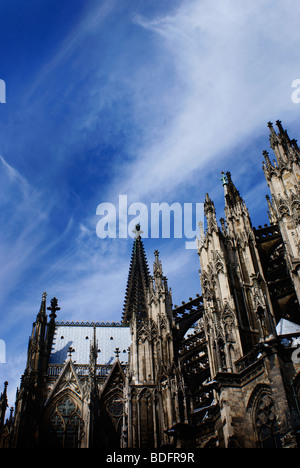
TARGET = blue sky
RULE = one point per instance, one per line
(137, 97)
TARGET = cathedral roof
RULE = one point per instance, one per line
(81, 337)
(285, 327)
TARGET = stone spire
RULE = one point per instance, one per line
(283, 176)
(3, 404)
(137, 283)
(286, 152)
(36, 347)
(210, 214)
(236, 212)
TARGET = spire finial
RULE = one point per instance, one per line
(279, 125)
(70, 351)
(137, 231)
(42, 312)
(54, 308)
(223, 178)
(117, 352)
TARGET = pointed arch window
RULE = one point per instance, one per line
(266, 423)
(146, 419)
(66, 423)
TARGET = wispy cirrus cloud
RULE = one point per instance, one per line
(89, 22)
(234, 70)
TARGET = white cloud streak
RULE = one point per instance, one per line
(235, 63)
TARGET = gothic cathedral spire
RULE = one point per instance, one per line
(137, 283)
(283, 177)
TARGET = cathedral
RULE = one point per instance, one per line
(219, 371)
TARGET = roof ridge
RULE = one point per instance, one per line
(103, 324)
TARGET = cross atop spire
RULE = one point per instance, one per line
(70, 351)
(137, 231)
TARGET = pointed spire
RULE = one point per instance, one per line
(138, 281)
(160, 282)
(210, 214)
(42, 313)
(273, 136)
(3, 404)
(271, 212)
(94, 350)
(285, 150)
(235, 206)
(51, 325)
(157, 266)
(232, 195)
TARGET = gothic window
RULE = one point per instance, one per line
(66, 424)
(134, 419)
(146, 419)
(114, 405)
(265, 422)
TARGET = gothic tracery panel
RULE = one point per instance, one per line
(66, 423)
(266, 422)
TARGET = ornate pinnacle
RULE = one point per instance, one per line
(42, 312)
(157, 267)
(54, 308)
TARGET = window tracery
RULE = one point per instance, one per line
(66, 423)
